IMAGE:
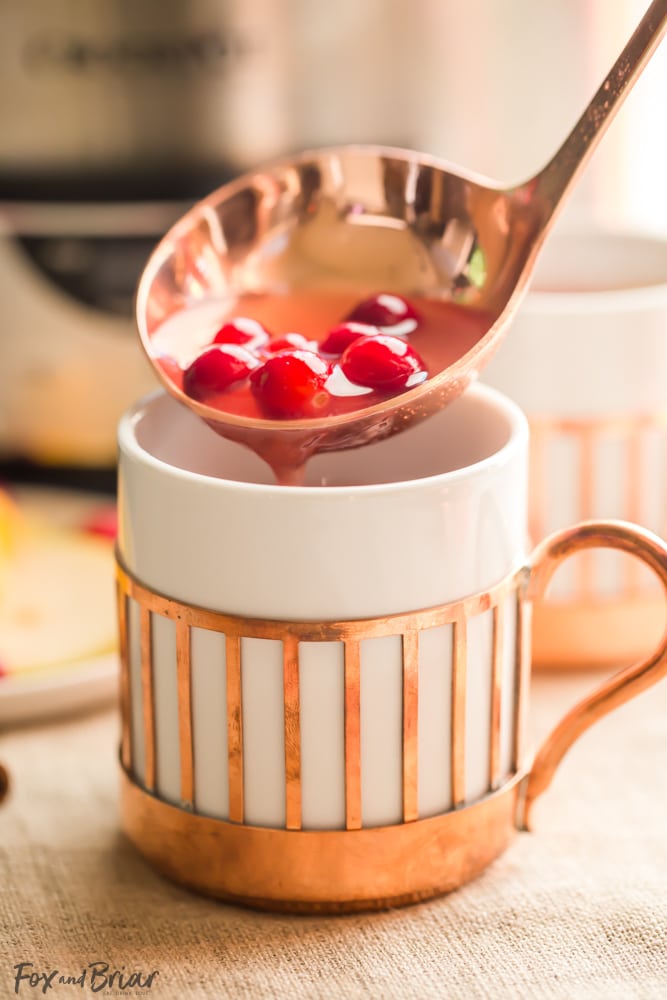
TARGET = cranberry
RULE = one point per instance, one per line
(102, 522)
(290, 342)
(384, 363)
(291, 384)
(338, 339)
(386, 311)
(244, 331)
(218, 368)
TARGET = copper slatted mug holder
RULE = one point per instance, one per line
(356, 867)
(590, 623)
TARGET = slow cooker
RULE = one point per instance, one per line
(115, 115)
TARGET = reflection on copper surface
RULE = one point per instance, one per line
(459, 666)
(234, 728)
(498, 644)
(147, 696)
(327, 871)
(292, 733)
(521, 674)
(352, 735)
(410, 724)
(124, 680)
(184, 687)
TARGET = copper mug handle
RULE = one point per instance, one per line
(622, 686)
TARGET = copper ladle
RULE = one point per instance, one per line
(375, 219)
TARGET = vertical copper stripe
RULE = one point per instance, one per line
(633, 503)
(633, 499)
(148, 701)
(459, 665)
(124, 680)
(184, 679)
(587, 439)
(352, 735)
(521, 677)
(292, 733)
(234, 728)
(410, 725)
(537, 515)
(498, 646)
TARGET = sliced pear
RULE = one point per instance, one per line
(57, 604)
(11, 529)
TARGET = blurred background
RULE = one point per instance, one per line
(115, 115)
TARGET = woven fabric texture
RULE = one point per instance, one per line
(576, 910)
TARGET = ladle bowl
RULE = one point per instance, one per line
(374, 219)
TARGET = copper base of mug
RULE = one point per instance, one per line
(319, 871)
(596, 634)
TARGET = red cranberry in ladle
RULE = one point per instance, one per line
(247, 332)
(383, 363)
(341, 336)
(291, 384)
(217, 369)
(392, 313)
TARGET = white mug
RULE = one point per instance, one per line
(318, 681)
(586, 359)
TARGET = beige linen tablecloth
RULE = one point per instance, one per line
(575, 910)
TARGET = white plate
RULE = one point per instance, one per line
(39, 696)
(88, 682)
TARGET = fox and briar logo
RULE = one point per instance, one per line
(97, 976)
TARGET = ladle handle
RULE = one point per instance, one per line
(555, 179)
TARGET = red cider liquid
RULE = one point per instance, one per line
(444, 334)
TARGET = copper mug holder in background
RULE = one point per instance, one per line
(355, 867)
(586, 623)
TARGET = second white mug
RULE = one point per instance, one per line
(586, 359)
